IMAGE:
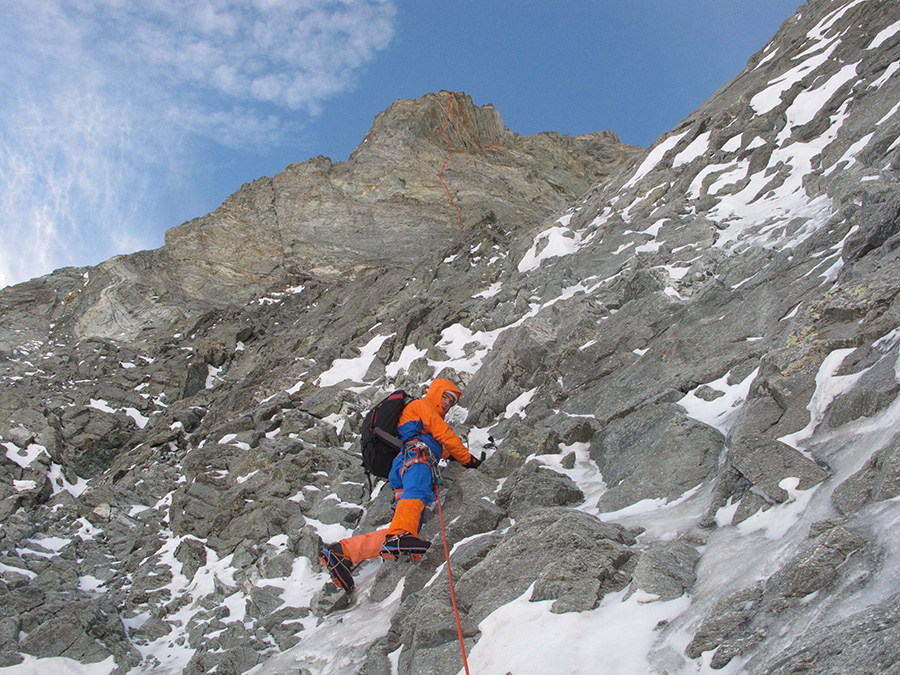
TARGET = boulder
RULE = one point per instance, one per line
(656, 452)
(666, 570)
(766, 462)
(536, 486)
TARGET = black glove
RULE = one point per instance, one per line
(474, 462)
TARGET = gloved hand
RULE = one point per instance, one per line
(474, 462)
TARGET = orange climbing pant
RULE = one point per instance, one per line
(364, 546)
(407, 516)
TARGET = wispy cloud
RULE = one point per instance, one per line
(105, 101)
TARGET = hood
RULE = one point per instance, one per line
(437, 389)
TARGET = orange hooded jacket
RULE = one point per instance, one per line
(424, 419)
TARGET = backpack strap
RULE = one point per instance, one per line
(390, 439)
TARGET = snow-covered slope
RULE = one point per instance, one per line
(687, 382)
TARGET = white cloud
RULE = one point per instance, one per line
(104, 102)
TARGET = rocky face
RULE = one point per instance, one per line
(681, 362)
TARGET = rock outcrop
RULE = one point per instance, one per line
(682, 363)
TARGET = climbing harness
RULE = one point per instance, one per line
(417, 452)
(462, 643)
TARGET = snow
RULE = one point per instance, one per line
(884, 36)
(733, 144)
(138, 418)
(409, 354)
(516, 408)
(826, 24)
(554, 242)
(465, 349)
(329, 532)
(885, 76)
(808, 103)
(776, 522)
(653, 158)
(721, 412)
(758, 204)
(23, 457)
(90, 584)
(757, 142)
(492, 290)
(55, 544)
(59, 482)
(337, 643)
(617, 637)
(696, 148)
(771, 55)
(730, 177)
(623, 247)
(59, 666)
(828, 387)
(849, 157)
(770, 97)
(352, 369)
(298, 588)
(101, 405)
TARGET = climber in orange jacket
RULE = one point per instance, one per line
(426, 438)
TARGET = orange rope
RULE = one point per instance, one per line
(447, 161)
(462, 644)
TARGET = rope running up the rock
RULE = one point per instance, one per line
(462, 644)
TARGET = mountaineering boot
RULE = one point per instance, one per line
(338, 566)
(404, 545)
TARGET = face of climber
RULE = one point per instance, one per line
(448, 400)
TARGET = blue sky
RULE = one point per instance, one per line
(120, 120)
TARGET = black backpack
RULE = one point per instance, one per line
(380, 442)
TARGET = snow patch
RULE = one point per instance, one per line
(555, 242)
(354, 369)
(828, 387)
(884, 36)
(719, 413)
(617, 637)
(653, 158)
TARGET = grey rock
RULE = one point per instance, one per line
(280, 565)
(264, 601)
(876, 389)
(658, 297)
(191, 553)
(742, 620)
(377, 661)
(730, 614)
(655, 452)
(666, 570)
(513, 366)
(284, 625)
(328, 599)
(877, 481)
(880, 223)
(59, 575)
(9, 633)
(93, 438)
(8, 658)
(813, 569)
(521, 442)
(866, 642)
(238, 659)
(590, 557)
(766, 462)
(71, 637)
(536, 486)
